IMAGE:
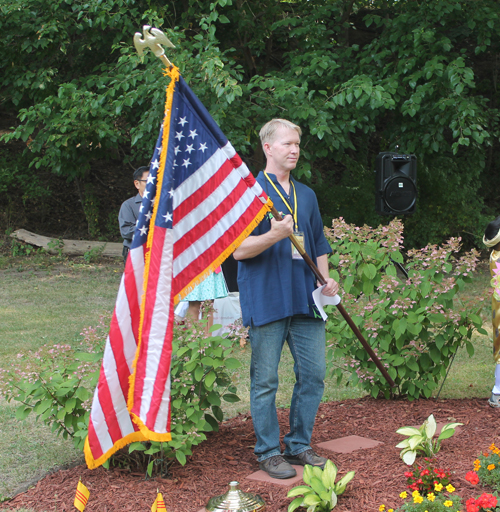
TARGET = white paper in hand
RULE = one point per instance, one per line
(322, 300)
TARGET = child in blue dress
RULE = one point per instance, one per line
(212, 287)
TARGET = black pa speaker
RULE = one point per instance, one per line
(396, 183)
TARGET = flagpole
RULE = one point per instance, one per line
(340, 307)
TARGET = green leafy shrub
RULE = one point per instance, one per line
(56, 384)
(415, 324)
(94, 254)
(201, 378)
(56, 246)
(22, 249)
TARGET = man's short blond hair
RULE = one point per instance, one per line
(268, 131)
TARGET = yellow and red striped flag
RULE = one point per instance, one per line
(159, 504)
(81, 497)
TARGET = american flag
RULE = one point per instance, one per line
(200, 203)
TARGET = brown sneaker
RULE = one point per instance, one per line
(277, 467)
(307, 457)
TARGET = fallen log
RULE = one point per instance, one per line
(69, 247)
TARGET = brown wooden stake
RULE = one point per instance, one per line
(340, 307)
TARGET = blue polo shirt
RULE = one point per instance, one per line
(272, 285)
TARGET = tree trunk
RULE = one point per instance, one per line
(69, 247)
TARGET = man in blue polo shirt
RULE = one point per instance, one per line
(276, 288)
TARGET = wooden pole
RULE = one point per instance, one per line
(340, 307)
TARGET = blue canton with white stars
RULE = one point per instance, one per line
(193, 138)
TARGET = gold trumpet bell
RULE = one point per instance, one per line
(236, 501)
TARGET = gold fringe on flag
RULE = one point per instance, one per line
(92, 463)
(174, 75)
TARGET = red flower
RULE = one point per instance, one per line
(472, 477)
(487, 501)
(423, 478)
(471, 505)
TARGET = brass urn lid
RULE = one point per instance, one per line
(236, 501)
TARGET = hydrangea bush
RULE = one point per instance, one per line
(415, 323)
(56, 383)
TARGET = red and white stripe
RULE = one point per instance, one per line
(151, 398)
(211, 210)
(110, 424)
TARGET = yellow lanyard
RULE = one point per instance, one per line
(293, 212)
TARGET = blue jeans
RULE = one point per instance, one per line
(306, 339)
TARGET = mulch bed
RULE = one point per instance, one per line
(228, 455)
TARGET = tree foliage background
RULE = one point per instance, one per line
(79, 109)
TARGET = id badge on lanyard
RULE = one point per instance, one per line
(299, 236)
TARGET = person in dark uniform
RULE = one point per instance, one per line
(129, 210)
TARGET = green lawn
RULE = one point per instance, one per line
(45, 303)
(28, 449)
(53, 306)
(49, 301)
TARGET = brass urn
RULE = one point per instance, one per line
(236, 501)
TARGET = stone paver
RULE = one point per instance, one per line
(262, 476)
(349, 444)
(341, 445)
